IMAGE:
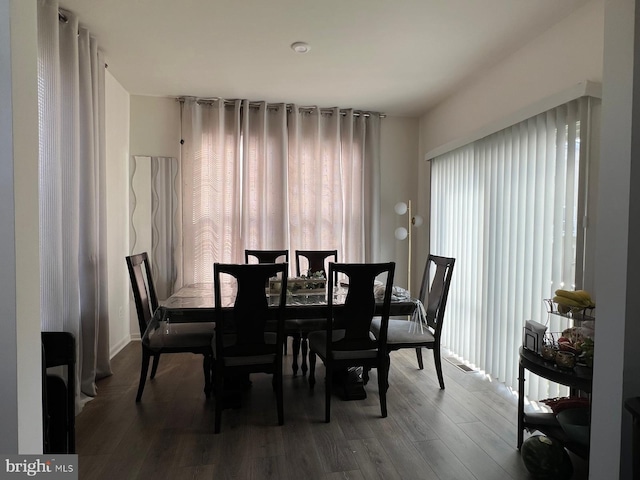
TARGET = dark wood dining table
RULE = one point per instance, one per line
(196, 303)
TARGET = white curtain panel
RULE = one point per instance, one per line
(506, 207)
(334, 182)
(72, 190)
(271, 176)
(264, 208)
(211, 195)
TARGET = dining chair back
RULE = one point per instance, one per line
(347, 341)
(249, 336)
(266, 256)
(434, 291)
(144, 291)
(312, 261)
(181, 337)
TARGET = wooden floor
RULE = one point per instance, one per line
(467, 431)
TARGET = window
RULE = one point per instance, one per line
(264, 176)
(507, 208)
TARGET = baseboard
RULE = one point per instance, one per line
(119, 346)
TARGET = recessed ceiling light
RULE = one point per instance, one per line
(300, 47)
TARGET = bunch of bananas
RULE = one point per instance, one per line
(568, 300)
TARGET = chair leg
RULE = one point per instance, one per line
(295, 347)
(143, 373)
(383, 384)
(206, 366)
(419, 356)
(305, 349)
(312, 369)
(154, 368)
(438, 361)
(328, 382)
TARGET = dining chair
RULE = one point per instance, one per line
(249, 336)
(434, 291)
(266, 256)
(314, 260)
(58, 394)
(182, 337)
(298, 329)
(346, 340)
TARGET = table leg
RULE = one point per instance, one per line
(520, 405)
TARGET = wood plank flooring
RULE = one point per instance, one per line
(467, 431)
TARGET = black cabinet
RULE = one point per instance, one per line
(58, 395)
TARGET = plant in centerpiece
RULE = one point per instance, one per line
(312, 282)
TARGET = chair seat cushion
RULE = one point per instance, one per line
(404, 332)
(180, 335)
(229, 339)
(318, 343)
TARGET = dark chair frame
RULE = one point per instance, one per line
(59, 349)
(354, 317)
(435, 304)
(299, 330)
(316, 259)
(146, 300)
(266, 256)
(248, 320)
(632, 405)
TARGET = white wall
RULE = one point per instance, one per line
(566, 54)
(616, 361)
(155, 126)
(154, 131)
(24, 54)
(117, 150)
(398, 165)
(20, 345)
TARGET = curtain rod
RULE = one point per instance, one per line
(62, 17)
(275, 106)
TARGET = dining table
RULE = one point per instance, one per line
(196, 303)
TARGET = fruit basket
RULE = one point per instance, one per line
(573, 346)
(576, 304)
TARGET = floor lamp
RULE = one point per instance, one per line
(401, 232)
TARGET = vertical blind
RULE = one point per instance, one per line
(507, 208)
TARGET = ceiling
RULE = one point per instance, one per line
(398, 57)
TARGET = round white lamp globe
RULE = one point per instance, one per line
(401, 233)
(400, 208)
(417, 221)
